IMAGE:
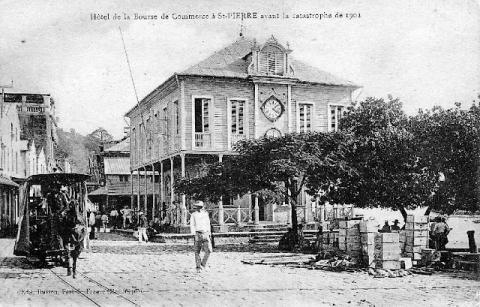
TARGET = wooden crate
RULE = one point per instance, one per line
(367, 238)
(388, 237)
(388, 264)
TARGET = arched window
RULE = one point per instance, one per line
(272, 61)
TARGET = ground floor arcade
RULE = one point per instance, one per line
(157, 195)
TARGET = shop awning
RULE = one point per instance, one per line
(6, 181)
(98, 192)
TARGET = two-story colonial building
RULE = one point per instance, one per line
(246, 90)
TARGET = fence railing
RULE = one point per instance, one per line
(230, 215)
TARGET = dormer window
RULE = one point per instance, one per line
(272, 61)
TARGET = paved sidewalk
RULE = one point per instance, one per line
(128, 274)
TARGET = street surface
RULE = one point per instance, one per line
(127, 273)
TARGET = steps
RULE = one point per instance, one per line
(273, 237)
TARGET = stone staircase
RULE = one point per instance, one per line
(273, 237)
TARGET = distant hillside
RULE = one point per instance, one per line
(76, 148)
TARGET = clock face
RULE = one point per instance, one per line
(272, 108)
(273, 132)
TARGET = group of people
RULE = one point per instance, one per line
(387, 228)
(439, 231)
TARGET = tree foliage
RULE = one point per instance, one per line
(275, 167)
(382, 158)
(449, 140)
(391, 172)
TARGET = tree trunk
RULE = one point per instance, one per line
(403, 212)
(427, 212)
(293, 205)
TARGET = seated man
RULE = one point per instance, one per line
(385, 228)
(395, 226)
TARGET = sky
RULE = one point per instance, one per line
(424, 52)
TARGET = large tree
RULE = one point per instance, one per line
(449, 140)
(391, 173)
(277, 168)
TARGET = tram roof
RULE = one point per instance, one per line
(60, 178)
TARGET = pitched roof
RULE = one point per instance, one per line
(231, 61)
(117, 165)
(122, 146)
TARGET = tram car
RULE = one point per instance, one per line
(49, 205)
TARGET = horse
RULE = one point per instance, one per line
(73, 235)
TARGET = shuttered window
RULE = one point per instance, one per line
(202, 117)
(271, 61)
(238, 119)
(305, 118)
(176, 116)
(336, 113)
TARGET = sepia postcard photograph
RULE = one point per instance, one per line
(240, 153)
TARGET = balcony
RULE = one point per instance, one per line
(203, 140)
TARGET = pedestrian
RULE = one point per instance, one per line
(385, 228)
(104, 222)
(126, 215)
(142, 227)
(200, 228)
(114, 217)
(98, 220)
(395, 226)
(433, 239)
(441, 231)
(91, 223)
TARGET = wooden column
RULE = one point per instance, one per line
(145, 195)
(239, 211)
(289, 108)
(162, 195)
(257, 211)
(249, 208)
(255, 113)
(153, 191)
(221, 218)
(138, 192)
(131, 190)
(171, 186)
(183, 206)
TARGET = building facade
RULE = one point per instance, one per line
(27, 138)
(246, 90)
(10, 166)
(116, 182)
(36, 114)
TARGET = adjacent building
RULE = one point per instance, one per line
(115, 180)
(36, 114)
(27, 140)
(248, 89)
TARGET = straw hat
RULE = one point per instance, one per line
(198, 204)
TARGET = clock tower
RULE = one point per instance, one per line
(273, 76)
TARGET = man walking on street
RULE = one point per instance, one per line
(200, 228)
(142, 228)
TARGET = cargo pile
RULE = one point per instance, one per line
(416, 236)
(368, 229)
(349, 238)
(387, 251)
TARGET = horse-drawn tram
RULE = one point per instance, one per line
(52, 225)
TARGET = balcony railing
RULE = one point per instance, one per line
(203, 140)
